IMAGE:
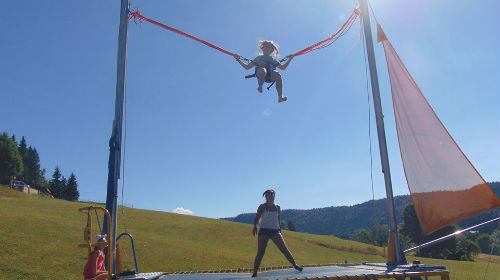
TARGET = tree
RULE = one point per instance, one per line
(466, 249)
(32, 173)
(55, 185)
(70, 191)
(410, 228)
(495, 242)
(22, 147)
(62, 186)
(283, 225)
(483, 241)
(11, 162)
(291, 226)
(31, 162)
(363, 236)
(379, 235)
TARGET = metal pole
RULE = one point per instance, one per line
(400, 259)
(115, 141)
(446, 237)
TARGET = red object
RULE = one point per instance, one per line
(445, 187)
(87, 271)
(136, 14)
(325, 43)
(328, 41)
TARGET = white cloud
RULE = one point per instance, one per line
(180, 210)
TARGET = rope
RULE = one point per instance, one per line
(98, 223)
(88, 223)
(373, 14)
(322, 44)
(136, 14)
(328, 41)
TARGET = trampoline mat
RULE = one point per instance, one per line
(309, 272)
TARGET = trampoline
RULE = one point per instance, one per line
(329, 272)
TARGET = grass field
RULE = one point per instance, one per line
(39, 238)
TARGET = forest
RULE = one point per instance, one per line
(20, 162)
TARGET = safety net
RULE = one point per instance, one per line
(445, 187)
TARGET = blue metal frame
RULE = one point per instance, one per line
(133, 248)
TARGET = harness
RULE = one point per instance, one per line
(269, 67)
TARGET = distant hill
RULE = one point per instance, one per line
(343, 221)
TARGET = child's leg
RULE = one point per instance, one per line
(261, 77)
(276, 77)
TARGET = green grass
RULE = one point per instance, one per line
(39, 238)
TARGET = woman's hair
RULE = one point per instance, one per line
(271, 43)
(270, 191)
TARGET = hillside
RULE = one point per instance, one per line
(39, 238)
(38, 232)
(343, 221)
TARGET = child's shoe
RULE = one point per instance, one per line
(282, 99)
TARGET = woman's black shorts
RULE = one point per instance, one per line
(269, 232)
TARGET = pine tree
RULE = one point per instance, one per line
(11, 162)
(70, 191)
(23, 151)
(32, 173)
(291, 226)
(22, 147)
(55, 185)
(62, 187)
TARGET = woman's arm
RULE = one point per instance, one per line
(283, 67)
(246, 66)
(260, 210)
(279, 215)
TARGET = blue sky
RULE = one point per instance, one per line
(200, 137)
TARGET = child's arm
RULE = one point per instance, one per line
(284, 66)
(93, 266)
(246, 66)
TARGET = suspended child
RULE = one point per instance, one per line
(265, 66)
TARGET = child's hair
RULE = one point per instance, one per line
(270, 191)
(271, 43)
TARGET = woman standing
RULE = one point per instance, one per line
(268, 217)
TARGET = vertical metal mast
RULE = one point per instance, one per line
(115, 142)
(399, 256)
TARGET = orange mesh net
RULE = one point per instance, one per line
(445, 187)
